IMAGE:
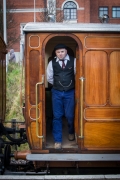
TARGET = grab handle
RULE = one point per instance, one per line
(81, 108)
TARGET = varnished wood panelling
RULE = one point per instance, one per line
(35, 140)
(101, 120)
(95, 78)
(115, 78)
(33, 112)
(102, 135)
(34, 41)
(102, 114)
(108, 42)
(33, 73)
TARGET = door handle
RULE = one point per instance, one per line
(36, 88)
(81, 108)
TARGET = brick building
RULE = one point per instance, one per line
(72, 11)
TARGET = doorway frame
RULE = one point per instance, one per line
(79, 61)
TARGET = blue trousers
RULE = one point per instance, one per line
(63, 105)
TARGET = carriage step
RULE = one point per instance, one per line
(73, 157)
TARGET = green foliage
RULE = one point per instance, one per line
(14, 77)
(23, 147)
(13, 89)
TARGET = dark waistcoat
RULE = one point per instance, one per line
(63, 79)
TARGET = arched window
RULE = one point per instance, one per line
(70, 10)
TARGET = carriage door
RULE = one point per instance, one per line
(34, 85)
(101, 101)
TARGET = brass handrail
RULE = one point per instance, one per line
(81, 108)
(36, 87)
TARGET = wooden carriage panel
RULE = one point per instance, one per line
(34, 41)
(33, 73)
(98, 114)
(35, 141)
(34, 69)
(95, 78)
(101, 95)
(115, 78)
(102, 135)
(104, 42)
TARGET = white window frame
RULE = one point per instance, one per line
(115, 12)
(104, 11)
(77, 7)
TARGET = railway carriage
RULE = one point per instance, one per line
(96, 48)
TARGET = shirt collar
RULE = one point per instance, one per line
(66, 58)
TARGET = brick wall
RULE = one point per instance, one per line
(95, 6)
(87, 12)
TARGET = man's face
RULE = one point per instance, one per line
(61, 53)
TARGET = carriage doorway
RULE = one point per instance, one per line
(50, 54)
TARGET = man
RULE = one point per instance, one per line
(12, 56)
(60, 73)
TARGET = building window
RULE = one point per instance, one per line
(70, 10)
(116, 12)
(102, 11)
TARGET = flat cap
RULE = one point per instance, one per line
(60, 46)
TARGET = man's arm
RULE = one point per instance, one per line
(50, 73)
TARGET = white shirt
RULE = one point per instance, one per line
(50, 68)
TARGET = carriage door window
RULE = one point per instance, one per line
(70, 11)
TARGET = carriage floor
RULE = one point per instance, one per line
(65, 142)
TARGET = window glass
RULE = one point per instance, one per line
(102, 11)
(116, 12)
(70, 10)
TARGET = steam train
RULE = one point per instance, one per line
(96, 48)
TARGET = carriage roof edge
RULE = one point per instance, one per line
(71, 27)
